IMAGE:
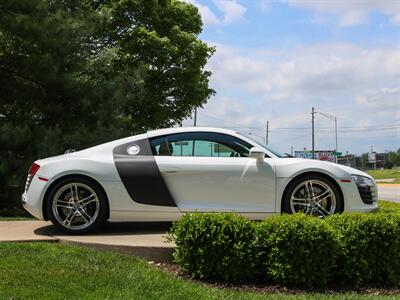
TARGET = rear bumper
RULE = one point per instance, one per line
(30, 208)
(32, 200)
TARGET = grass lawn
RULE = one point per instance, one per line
(16, 219)
(59, 271)
(385, 174)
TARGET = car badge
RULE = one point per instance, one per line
(133, 150)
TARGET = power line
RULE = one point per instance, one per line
(366, 127)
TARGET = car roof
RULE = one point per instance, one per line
(165, 131)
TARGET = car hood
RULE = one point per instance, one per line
(326, 165)
(354, 171)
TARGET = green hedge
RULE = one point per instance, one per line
(217, 246)
(296, 249)
(369, 247)
(290, 249)
(388, 207)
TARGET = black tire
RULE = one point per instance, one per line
(100, 202)
(286, 199)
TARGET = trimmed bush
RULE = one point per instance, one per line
(387, 207)
(291, 249)
(369, 247)
(297, 249)
(215, 246)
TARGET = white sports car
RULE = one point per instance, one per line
(161, 174)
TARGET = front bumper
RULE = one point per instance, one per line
(353, 201)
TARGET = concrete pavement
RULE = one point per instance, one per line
(390, 192)
(11, 231)
(143, 239)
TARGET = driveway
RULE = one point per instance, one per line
(145, 239)
(390, 192)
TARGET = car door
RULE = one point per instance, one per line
(207, 171)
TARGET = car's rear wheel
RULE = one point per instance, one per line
(314, 195)
(76, 205)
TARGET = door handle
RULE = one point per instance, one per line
(169, 170)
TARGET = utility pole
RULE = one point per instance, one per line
(267, 131)
(312, 132)
(336, 146)
(333, 118)
(195, 117)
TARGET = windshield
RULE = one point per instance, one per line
(263, 145)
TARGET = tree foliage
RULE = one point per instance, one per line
(76, 73)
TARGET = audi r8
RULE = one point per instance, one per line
(162, 174)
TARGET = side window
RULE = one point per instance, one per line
(201, 144)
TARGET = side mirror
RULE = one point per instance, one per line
(256, 153)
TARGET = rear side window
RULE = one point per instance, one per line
(200, 144)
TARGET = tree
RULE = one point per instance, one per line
(77, 73)
(394, 158)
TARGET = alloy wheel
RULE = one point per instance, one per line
(76, 206)
(313, 197)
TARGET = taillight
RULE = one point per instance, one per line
(33, 169)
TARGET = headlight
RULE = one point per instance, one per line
(363, 180)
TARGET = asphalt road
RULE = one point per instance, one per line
(389, 192)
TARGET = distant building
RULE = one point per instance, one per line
(377, 160)
(349, 160)
(327, 155)
(366, 161)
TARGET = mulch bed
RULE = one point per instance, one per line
(270, 288)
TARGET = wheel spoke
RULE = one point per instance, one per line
(326, 194)
(63, 201)
(85, 216)
(70, 217)
(89, 199)
(322, 210)
(76, 193)
(307, 190)
(311, 188)
(64, 206)
(300, 201)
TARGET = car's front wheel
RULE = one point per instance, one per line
(76, 205)
(314, 195)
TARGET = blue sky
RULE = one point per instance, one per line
(274, 60)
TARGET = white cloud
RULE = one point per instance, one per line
(308, 70)
(231, 12)
(264, 5)
(352, 12)
(361, 86)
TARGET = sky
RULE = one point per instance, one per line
(275, 60)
